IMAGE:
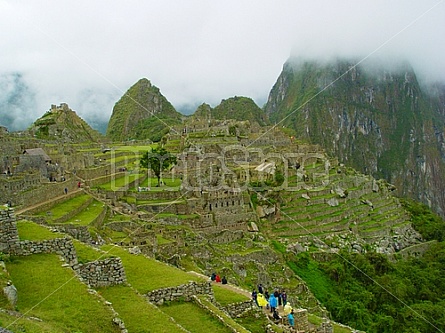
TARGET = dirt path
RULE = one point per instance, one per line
(226, 286)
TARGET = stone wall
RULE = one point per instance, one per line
(61, 246)
(102, 273)
(98, 273)
(8, 230)
(301, 320)
(182, 292)
(236, 310)
(44, 193)
(79, 232)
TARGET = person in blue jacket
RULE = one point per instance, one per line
(273, 302)
(290, 318)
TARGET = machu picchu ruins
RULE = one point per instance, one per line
(244, 198)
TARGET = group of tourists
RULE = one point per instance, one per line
(278, 298)
(216, 278)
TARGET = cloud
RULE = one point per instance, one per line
(88, 53)
(16, 99)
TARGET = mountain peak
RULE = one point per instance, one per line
(142, 113)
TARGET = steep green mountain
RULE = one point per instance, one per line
(375, 118)
(142, 113)
(63, 124)
(238, 108)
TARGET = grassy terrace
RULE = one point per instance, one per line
(85, 217)
(118, 183)
(152, 182)
(32, 231)
(54, 294)
(135, 149)
(225, 296)
(64, 207)
(193, 318)
(146, 274)
(137, 314)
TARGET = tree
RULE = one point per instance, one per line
(158, 160)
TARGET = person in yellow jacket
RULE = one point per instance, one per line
(261, 300)
(287, 309)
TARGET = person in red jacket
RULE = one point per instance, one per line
(218, 278)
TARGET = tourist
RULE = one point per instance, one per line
(266, 295)
(254, 297)
(224, 280)
(260, 288)
(290, 318)
(217, 278)
(279, 298)
(276, 316)
(273, 302)
(261, 300)
(66, 190)
(287, 309)
(284, 297)
(213, 277)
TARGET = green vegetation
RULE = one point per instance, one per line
(225, 296)
(425, 221)
(118, 183)
(65, 207)
(54, 294)
(370, 293)
(88, 215)
(142, 113)
(193, 318)
(240, 108)
(32, 231)
(137, 314)
(158, 160)
(147, 274)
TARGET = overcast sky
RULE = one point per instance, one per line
(88, 53)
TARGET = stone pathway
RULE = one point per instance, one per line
(226, 286)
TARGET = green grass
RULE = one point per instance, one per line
(162, 241)
(228, 320)
(23, 324)
(32, 231)
(225, 296)
(138, 315)
(147, 274)
(137, 149)
(152, 182)
(88, 215)
(117, 183)
(193, 318)
(317, 281)
(86, 253)
(65, 207)
(53, 293)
